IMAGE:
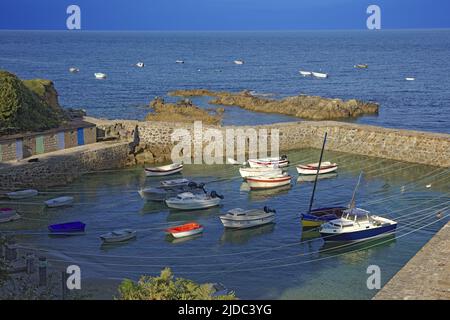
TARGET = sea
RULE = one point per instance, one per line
(276, 261)
(272, 64)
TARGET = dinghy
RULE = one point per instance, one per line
(74, 70)
(357, 225)
(118, 236)
(361, 66)
(22, 194)
(240, 219)
(239, 62)
(320, 75)
(179, 61)
(185, 230)
(279, 162)
(269, 182)
(174, 183)
(99, 75)
(262, 171)
(191, 201)
(311, 169)
(8, 215)
(164, 170)
(68, 228)
(140, 65)
(160, 193)
(59, 202)
(305, 73)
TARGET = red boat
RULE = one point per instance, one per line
(185, 230)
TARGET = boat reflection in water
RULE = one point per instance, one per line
(173, 240)
(188, 216)
(356, 252)
(266, 193)
(311, 178)
(242, 236)
(153, 207)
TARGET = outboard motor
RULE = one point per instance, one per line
(269, 210)
(216, 195)
(283, 157)
(193, 185)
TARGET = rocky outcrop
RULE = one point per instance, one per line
(303, 106)
(27, 106)
(182, 111)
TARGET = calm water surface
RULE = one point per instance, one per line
(272, 63)
(273, 261)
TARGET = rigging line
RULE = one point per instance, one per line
(202, 256)
(274, 266)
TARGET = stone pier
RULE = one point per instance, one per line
(426, 276)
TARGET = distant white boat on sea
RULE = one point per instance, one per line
(99, 75)
(305, 73)
(179, 61)
(140, 65)
(74, 70)
(410, 79)
(239, 62)
(320, 75)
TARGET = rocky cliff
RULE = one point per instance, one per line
(302, 106)
(30, 105)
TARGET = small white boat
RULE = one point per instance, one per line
(361, 66)
(99, 75)
(140, 65)
(74, 70)
(269, 182)
(190, 201)
(305, 73)
(8, 215)
(174, 183)
(279, 162)
(311, 169)
(185, 230)
(118, 236)
(164, 170)
(59, 202)
(22, 194)
(240, 219)
(320, 75)
(179, 61)
(239, 62)
(261, 171)
(410, 79)
(161, 193)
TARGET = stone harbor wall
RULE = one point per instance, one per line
(62, 167)
(155, 145)
(402, 145)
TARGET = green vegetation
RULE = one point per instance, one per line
(166, 287)
(27, 105)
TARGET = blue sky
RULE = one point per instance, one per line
(223, 14)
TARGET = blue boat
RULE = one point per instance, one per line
(67, 228)
(357, 225)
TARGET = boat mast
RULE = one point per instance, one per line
(317, 173)
(352, 202)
